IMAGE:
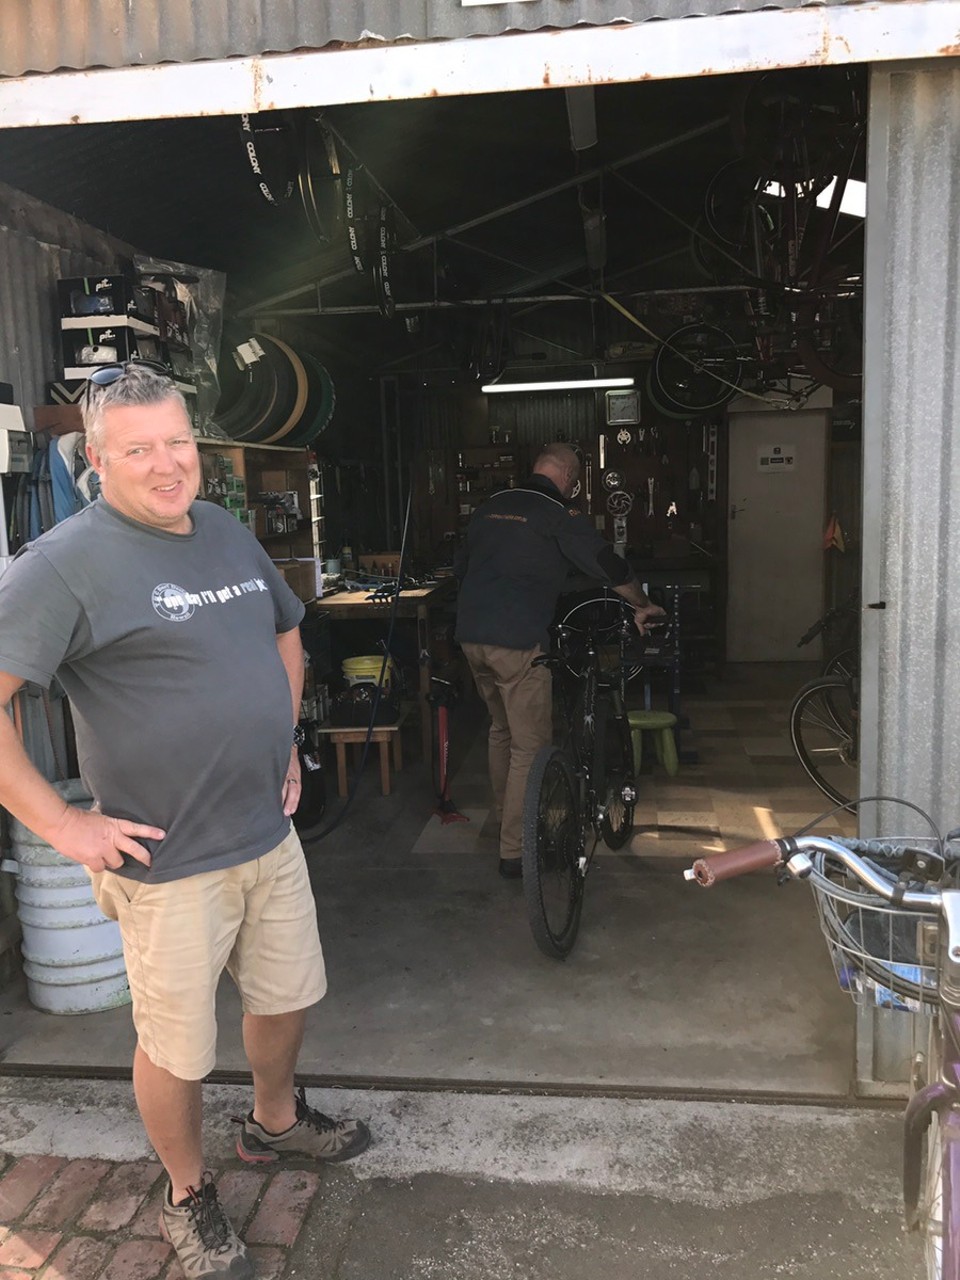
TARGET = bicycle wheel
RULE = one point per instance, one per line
(845, 664)
(552, 853)
(823, 730)
(612, 776)
(936, 1206)
(695, 370)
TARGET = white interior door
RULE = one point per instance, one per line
(776, 516)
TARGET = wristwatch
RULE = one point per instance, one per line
(299, 737)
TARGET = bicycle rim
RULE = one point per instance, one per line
(823, 730)
(552, 853)
(844, 664)
(612, 775)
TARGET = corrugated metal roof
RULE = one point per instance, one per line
(47, 35)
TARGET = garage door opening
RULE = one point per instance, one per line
(686, 241)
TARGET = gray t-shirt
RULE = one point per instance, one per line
(166, 646)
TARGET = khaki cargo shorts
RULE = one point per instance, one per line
(257, 920)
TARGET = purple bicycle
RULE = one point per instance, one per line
(890, 914)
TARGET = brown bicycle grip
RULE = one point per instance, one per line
(736, 862)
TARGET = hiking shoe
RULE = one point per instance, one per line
(314, 1136)
(206, 1245)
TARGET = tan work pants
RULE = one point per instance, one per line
(519, 699)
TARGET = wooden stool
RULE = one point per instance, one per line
(661, 724)
(382, 734)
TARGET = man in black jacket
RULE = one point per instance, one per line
(521, 546)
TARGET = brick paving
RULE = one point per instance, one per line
(98, 1220)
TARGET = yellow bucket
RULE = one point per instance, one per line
(366, 670)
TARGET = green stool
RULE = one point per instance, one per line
(661, 725)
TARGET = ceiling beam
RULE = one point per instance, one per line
(502, 211)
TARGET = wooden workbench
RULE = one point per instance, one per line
(417, 604)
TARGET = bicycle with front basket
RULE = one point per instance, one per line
(890, 914)
(587, 783)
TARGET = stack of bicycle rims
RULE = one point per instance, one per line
(273, 394)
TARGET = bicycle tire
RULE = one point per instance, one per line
(827, 751)
(275, 187)
(318, 180)
(828, 331)
(605, 615)
(845, 664)
(552, 853)
(612, 775)
(696, 369)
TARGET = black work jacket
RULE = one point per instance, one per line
(520, 548)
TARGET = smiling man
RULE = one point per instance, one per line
(178, 645)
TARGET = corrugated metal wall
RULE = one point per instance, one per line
(38, 246)
(910, 721)
(44, 35)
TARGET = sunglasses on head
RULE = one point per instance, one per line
(106, 375)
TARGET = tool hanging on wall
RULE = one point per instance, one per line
(624, 437)
(588, 482)
(650, 485)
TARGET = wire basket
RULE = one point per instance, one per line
(881, 954)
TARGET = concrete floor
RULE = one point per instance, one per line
(434, 975)
(540, 1188)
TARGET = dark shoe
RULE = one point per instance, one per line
(511, 868)
(206, 1245)
(313, 1137)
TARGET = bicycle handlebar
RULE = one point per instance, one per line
(792, 853)
(735, 862)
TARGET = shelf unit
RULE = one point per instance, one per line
(483, 469)
(264, 468)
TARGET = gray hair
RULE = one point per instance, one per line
(139, 384)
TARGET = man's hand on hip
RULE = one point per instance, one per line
(98, 842)
(644, 614)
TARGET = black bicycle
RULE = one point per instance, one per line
(825, 714)
(588, 781)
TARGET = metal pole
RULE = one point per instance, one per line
(386, 460)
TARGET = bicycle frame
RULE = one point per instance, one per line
(940, 1096)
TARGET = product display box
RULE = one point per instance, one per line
(87, 347)
(106, 296)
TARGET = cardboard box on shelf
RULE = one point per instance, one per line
(299, 576)
(270, 482)
(59, 419)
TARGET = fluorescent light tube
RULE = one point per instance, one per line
(563, 384)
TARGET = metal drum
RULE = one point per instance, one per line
(72, 954)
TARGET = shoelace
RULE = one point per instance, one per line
(310, 1116)
(208, 1216)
